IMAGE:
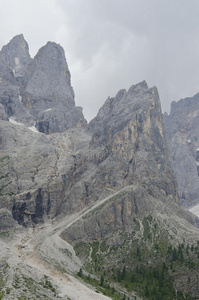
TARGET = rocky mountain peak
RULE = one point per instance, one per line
(48, 78)
(16, 55)
(185, 106)
(139, 86)
(37, 92)
(130, 126)
(51, 60)
(181, 128)
(126, 104)
(109, 191)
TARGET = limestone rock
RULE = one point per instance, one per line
(48, 94)
(130, 127)
(16, 56)
(38, 92)
(3, 115)
(14, 59)
(181, 128)
(65, 173)
(6, 220)
(36, 171)
(48, 76)
(111, 182)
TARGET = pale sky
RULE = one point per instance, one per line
(112, 44)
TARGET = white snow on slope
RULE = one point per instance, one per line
(15, 122)
(33, 128)
(195, 210)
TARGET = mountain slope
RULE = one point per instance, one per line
(181, 128)
(96, 202)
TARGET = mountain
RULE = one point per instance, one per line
(181, 129)
(93, 209)
(37, 92)
(130, 125)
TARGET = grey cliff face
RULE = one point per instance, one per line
(181, 128)
(16, 56)
(66, 173)
(49, 74)
(48, 94)
(14, 59)
(127, 148)
(38, 91)
(36, 171)
(130, 125)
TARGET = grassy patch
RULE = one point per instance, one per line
(143, 265)
(82, 250)
(6, 157)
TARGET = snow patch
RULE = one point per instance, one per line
(20, 99)
(33, 128)
(48, 109)
(195, 210)
(15, 122)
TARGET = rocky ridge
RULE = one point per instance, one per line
(102, 198)
(181, 129)
(66, 172)
(130, 125)
(37, 92)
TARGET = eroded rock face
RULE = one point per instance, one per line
(63, 173)
(14, 59)
(48, 94)
(115, 174)
(42, 175)
(181, 128)
(16, 56)
(38, 91)
(130, 127)
(114, 216)
(36, 171)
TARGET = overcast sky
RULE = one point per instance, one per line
(112, 44)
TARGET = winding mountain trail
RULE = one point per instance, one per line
(29, 251)
(42, 249)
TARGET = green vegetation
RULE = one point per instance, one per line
(2, 293)
(4, 158)
(82, 250)
(27, 286)
(1, 286)
(6, 236)
(154, 283)
(4, 176)
(47, 284)
(100, 285)
(144, 263)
